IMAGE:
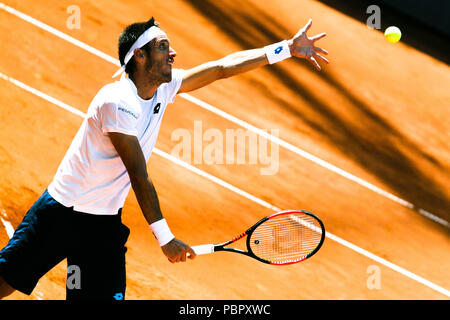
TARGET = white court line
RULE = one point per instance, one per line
(231, 118)
(307, 224)
(253, 198)
(314, 159)
(58, 33)
(43, 95)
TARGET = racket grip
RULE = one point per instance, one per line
(203, 249)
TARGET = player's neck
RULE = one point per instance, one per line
(145, 88)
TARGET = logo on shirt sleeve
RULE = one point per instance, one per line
(128, 112)
(156, 108)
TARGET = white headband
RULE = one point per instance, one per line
(150, 34)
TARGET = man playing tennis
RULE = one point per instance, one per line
(79, 216)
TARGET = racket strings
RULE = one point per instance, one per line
(286, 238)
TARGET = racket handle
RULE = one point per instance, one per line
(203, 249)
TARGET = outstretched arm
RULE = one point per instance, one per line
(300, 46)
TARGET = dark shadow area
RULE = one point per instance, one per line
(414, 32)
(374, 145)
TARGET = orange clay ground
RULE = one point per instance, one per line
(379, 111)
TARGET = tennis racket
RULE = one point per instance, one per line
(282, 238)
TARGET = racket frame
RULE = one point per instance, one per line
(248, 233)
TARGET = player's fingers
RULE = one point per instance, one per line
(174, 257)
(308, 25)
(319, 36)
(321, 57)
(314, 62)
(184, 254)
(320, 50)
(191, 253)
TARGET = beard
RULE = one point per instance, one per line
(167, 76)
(160, 73)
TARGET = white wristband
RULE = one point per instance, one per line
(277, 52)
(161, 232)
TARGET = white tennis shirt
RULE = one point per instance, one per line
(92, 177)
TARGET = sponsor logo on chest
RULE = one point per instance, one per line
(156, 108)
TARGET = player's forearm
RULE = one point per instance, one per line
(242, 61)
(147, 198)
(231, 65)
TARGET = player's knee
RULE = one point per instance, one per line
(5, 289)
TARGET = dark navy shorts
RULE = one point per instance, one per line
(94, 246)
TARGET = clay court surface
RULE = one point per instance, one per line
(378, 111)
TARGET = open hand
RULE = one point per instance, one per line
(302, 46)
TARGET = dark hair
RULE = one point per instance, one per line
(129, 36)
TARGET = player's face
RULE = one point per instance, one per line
(161, 60)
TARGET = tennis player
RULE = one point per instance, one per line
(78, 217)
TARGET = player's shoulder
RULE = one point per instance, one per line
(113, 92)
(117, 93)
(113, 96)
(178, 73)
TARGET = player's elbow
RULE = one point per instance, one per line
(226, 68)
(220, 72)
(227, 73)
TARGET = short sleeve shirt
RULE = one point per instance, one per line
(92, 177)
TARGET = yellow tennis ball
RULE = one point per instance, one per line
(393, 34)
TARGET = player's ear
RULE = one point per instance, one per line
(139, 55)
